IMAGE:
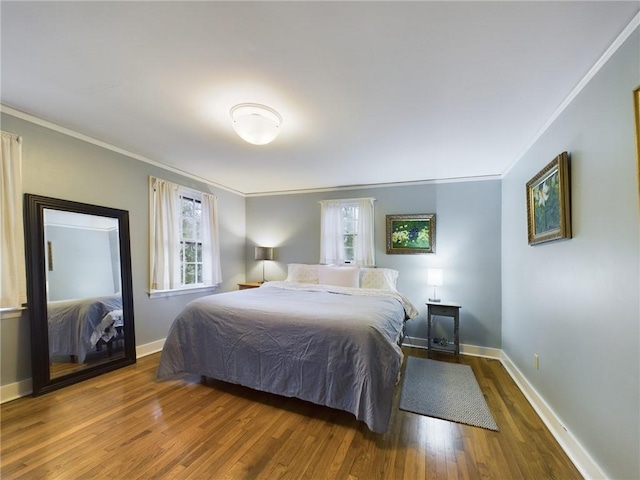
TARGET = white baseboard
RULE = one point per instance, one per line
(149, 348)
(574, 450)
(585, 464)
(22, 388)
(465, 349)
(13, 391)
(415, 342)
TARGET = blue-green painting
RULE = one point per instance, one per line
(413, 233)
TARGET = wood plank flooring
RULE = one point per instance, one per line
(126, 425)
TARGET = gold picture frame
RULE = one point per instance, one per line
(549, 202)
(411, 233)
(636, 114)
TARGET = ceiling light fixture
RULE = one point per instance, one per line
(255, 123)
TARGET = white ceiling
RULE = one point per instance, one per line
(370, 92)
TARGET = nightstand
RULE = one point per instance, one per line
(444, 309)
(247, 285)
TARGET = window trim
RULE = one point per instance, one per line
(181, 291)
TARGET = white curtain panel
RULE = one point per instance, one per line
(331, 238)
(13, 282)
(331, 242)
(165, 235)
(365, 250)
(211, 270)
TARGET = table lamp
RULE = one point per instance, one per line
(434, 277)
(264, 253)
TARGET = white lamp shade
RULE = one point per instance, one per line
(434, 276)
(256, 124)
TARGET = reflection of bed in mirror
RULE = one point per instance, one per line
(84, 313)
(78, 327)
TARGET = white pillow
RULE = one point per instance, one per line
(302, 273)
(339, 276)
(379, 278)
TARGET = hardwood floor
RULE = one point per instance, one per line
(125, 424)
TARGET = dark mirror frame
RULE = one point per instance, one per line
(34, 206)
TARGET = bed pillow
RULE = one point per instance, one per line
(339, 276)
(302, 273)
(379, 278)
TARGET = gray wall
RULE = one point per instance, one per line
(576, 302)
(82, 265)
(467, 246)
(56, 165)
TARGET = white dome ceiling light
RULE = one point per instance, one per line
(255, 123)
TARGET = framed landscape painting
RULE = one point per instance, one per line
(413, 233)
(548, 202)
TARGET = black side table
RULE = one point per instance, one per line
(444, 309)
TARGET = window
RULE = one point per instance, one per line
(185, 252)
(190, 240)
(347, 232)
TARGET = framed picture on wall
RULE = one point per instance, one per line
(548, 202)
(411, 233)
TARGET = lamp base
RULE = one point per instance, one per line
(434, 299)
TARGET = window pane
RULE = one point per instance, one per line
(186, 229)
(349, 241)
(189, 274)
(189, 252)
(197, 229)
(349, 214)
(199, 276)
(197, 220)
(199, 252)
(349, 220)
(187, 207)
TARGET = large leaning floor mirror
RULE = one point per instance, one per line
(79, 290)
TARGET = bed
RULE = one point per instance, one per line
(77, 327)
(322, 340)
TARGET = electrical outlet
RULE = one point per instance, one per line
(536, 361)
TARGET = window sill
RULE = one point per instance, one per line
(181, 291)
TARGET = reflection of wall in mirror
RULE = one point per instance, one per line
(87, 262)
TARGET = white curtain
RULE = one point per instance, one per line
(211, 271)
(165, 235)
(331, 231)
(365, 250)
(331, 239)
(13, 281)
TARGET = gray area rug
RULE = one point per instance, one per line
(444, 390)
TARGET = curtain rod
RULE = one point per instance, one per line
(347, 200)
